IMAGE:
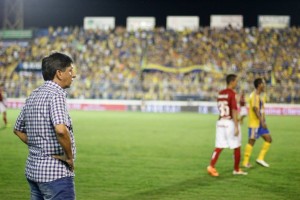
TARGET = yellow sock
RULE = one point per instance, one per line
(264, 150)
(247, 154)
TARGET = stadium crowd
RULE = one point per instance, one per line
(115, 64)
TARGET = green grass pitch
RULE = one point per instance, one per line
(135, 156)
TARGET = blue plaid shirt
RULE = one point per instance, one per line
(45, 108)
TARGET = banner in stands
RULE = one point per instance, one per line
(12, 43)
(96, 107)
(161, 108)
(201, 107)
(223, 21)
(29, 66)
(180, 23)
(102, 23)
(136, 23)
(282, 110)
(16, 34)
(193, 68)
(274, 21)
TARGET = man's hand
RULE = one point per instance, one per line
(66, 160)
(264, 125)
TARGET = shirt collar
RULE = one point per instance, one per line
(55, 86)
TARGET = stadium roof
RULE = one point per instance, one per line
(46, 13)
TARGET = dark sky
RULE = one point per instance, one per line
(43, 13)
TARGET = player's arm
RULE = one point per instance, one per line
(57, 115)
(263, 116)
(260, 117)
(236, 121)
(20, 129)
(64, 139)
(21, 135)
(256, 111)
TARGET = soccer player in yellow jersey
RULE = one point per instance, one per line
(257, 125)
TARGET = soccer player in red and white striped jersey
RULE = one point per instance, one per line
(228, 134)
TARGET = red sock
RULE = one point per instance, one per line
(237, 158)
(215, 156)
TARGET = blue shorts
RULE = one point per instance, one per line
(255, 133)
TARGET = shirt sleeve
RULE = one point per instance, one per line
(20, 123)
(58, 110)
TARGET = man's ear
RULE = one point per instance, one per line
(58, 74)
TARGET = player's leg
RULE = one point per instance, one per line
(237, 158)
(3, 112)
(265, 147)
(242, 119)
(252, 132)
(235, 144)
(4, 118)
(215, 156)
(219, 145)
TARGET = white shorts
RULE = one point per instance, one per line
(243, 111)
(2, 107)
(225, 137)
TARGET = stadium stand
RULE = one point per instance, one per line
(159, 64)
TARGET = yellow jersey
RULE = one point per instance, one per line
(255, 101)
